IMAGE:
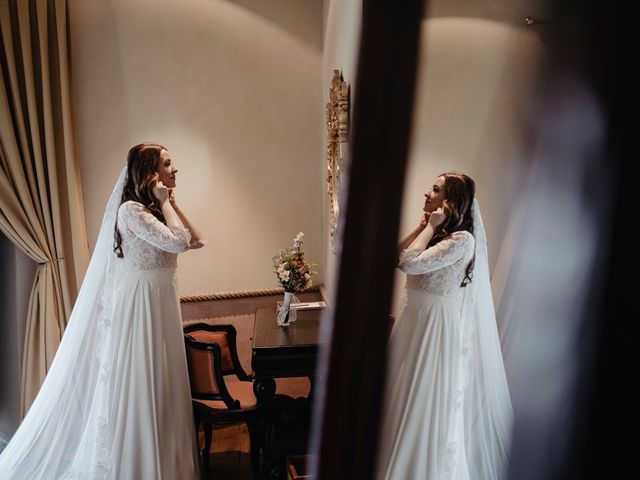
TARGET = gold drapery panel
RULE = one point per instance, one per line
(41, 208)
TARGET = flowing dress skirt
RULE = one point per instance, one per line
(422, 434)
(116, 405)
(151, 431)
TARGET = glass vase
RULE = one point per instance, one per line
(286, 315)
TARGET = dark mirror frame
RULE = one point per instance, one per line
(348, 404)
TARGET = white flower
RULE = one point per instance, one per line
(298, 238)
(284, 276)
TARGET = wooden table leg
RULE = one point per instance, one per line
(264, 390)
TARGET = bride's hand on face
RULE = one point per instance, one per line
(436, 218)
(161, 192)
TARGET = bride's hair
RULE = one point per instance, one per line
(459, 191)
(142, 176)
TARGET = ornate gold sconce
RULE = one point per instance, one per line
(337, 143)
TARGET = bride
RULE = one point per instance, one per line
(447, 412)
(116, 402)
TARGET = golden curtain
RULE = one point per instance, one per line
(41, 209)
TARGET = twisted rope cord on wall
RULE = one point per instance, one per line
(205, 297)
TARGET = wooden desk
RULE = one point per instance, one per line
(279, 352)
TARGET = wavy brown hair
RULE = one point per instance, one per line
(459, 192)
(142, 163)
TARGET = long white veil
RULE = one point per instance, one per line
(64, 434)
(487, 407)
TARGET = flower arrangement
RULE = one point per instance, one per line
(294, 274)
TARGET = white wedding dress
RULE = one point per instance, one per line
(116, 403)
(447, 411)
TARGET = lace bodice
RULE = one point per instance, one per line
(439, 269)
(147, 243)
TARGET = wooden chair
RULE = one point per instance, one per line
(211, 356)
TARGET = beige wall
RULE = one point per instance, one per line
(342, 21)
(476, 78)
(234, 90)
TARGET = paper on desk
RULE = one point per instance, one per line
(307, 305)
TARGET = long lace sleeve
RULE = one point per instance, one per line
(147, 227)
(444, 253)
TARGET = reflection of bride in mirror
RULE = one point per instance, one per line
(447, 412)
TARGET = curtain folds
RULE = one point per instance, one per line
(41, 208)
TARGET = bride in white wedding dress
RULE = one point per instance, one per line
(447, 411)
(116, 402)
